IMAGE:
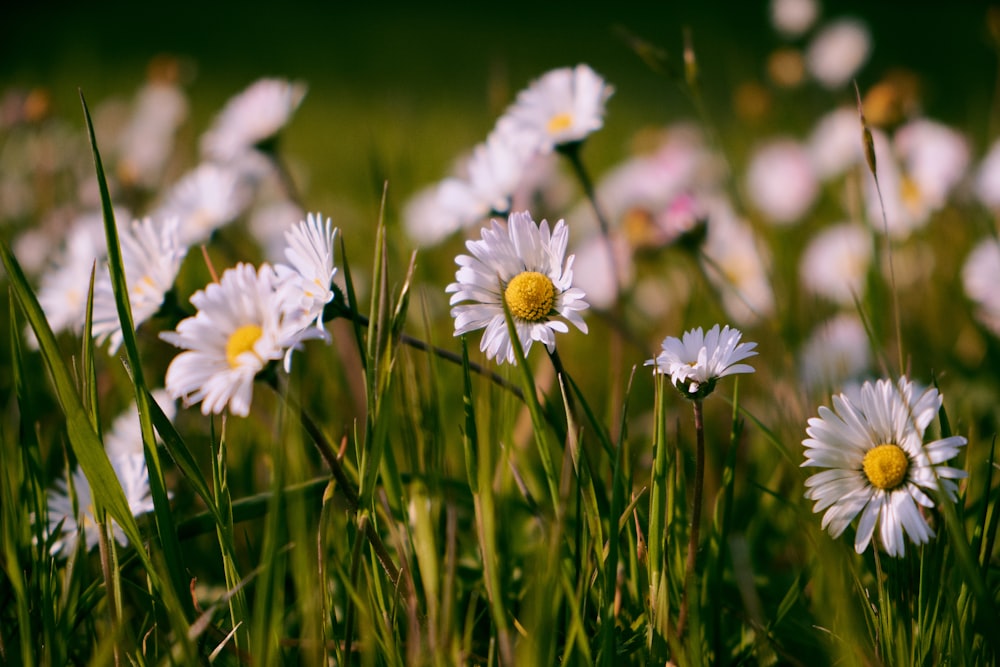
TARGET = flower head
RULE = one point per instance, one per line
(205, 199)
(252, 118)
(151, 255)
(980, 277)
(872, 443)
(524, 266)
(696, 361)
(239, 328)
(562, 107)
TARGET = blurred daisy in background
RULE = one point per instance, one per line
(837, 351)
(834, 144)
(981, 279)
(125, 436)
(793, 18)
(838, 50)
(251, 119)
(524, 266)
(835, 262)
(697, 360)
(205, 199)
(879, 467)
(987, 183)
(561, 107)
(781, 182)
(151, 256)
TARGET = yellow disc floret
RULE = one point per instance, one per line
(530, 296)
(242, 340)
(885, 466)
(560, 123)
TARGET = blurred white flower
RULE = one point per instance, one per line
(251, 118)
(838, 350)
(780, 181)
(205, 199)
(697, 360)
(147, 140)
(792, 18)
(151, 256)
(524, 266)
(592, 269)
(917, 173)
(988, 177)
(735, 263)
(838, 51)
(561, 107)
(878, 464)
(268, 223)
(835, 263)
(835, 144)
(981, 278)
(125, 436)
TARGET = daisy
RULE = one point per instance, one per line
(204, 199)
(70, 518)
(781, 181)
(252, 118)
(835, 263)
(792, 18)
(696, 361)
(305, 283)
(237, 330)
(980, 277)
(879, 467)
(125, 436)
(987, 182)
(837, 350)
(838, 51)
(152, 256)
(523, 266)
(562, 107)
(835, 144)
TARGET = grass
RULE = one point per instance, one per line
(384, 504)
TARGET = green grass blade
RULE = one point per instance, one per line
(166, 530)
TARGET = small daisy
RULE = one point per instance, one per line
(252, 118)
(305, 284)
(980, 277)
(696, 361)
(205, 199)
(524, 266)
(838, 51)
(792, 18)
(562, 107)
(152, 256)
(835, 263)
(237, 330)
(71, 518)
(879, 466)
(781, 182)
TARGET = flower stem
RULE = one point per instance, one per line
(699, 484)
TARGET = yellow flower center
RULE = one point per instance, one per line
(241, 340)
(530, 296)
(885, 466)
(910, 192)
(560, 122)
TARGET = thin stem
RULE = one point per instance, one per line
(339, 310)
(344, 484)
(699, 484)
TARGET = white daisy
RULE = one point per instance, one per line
(696, 361)
(70, 518)
(562, 107)
(838, 51)
(237, 330)
(204, 199)
(523, 266)
(987, 183)
(125, 436)
(781, 182)
(252, 118)
(837, 351)
(152, 256)
(981, 277)
(835, 263)
(792, 18)
(879, 466)
(305, 284)
(146, 142)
